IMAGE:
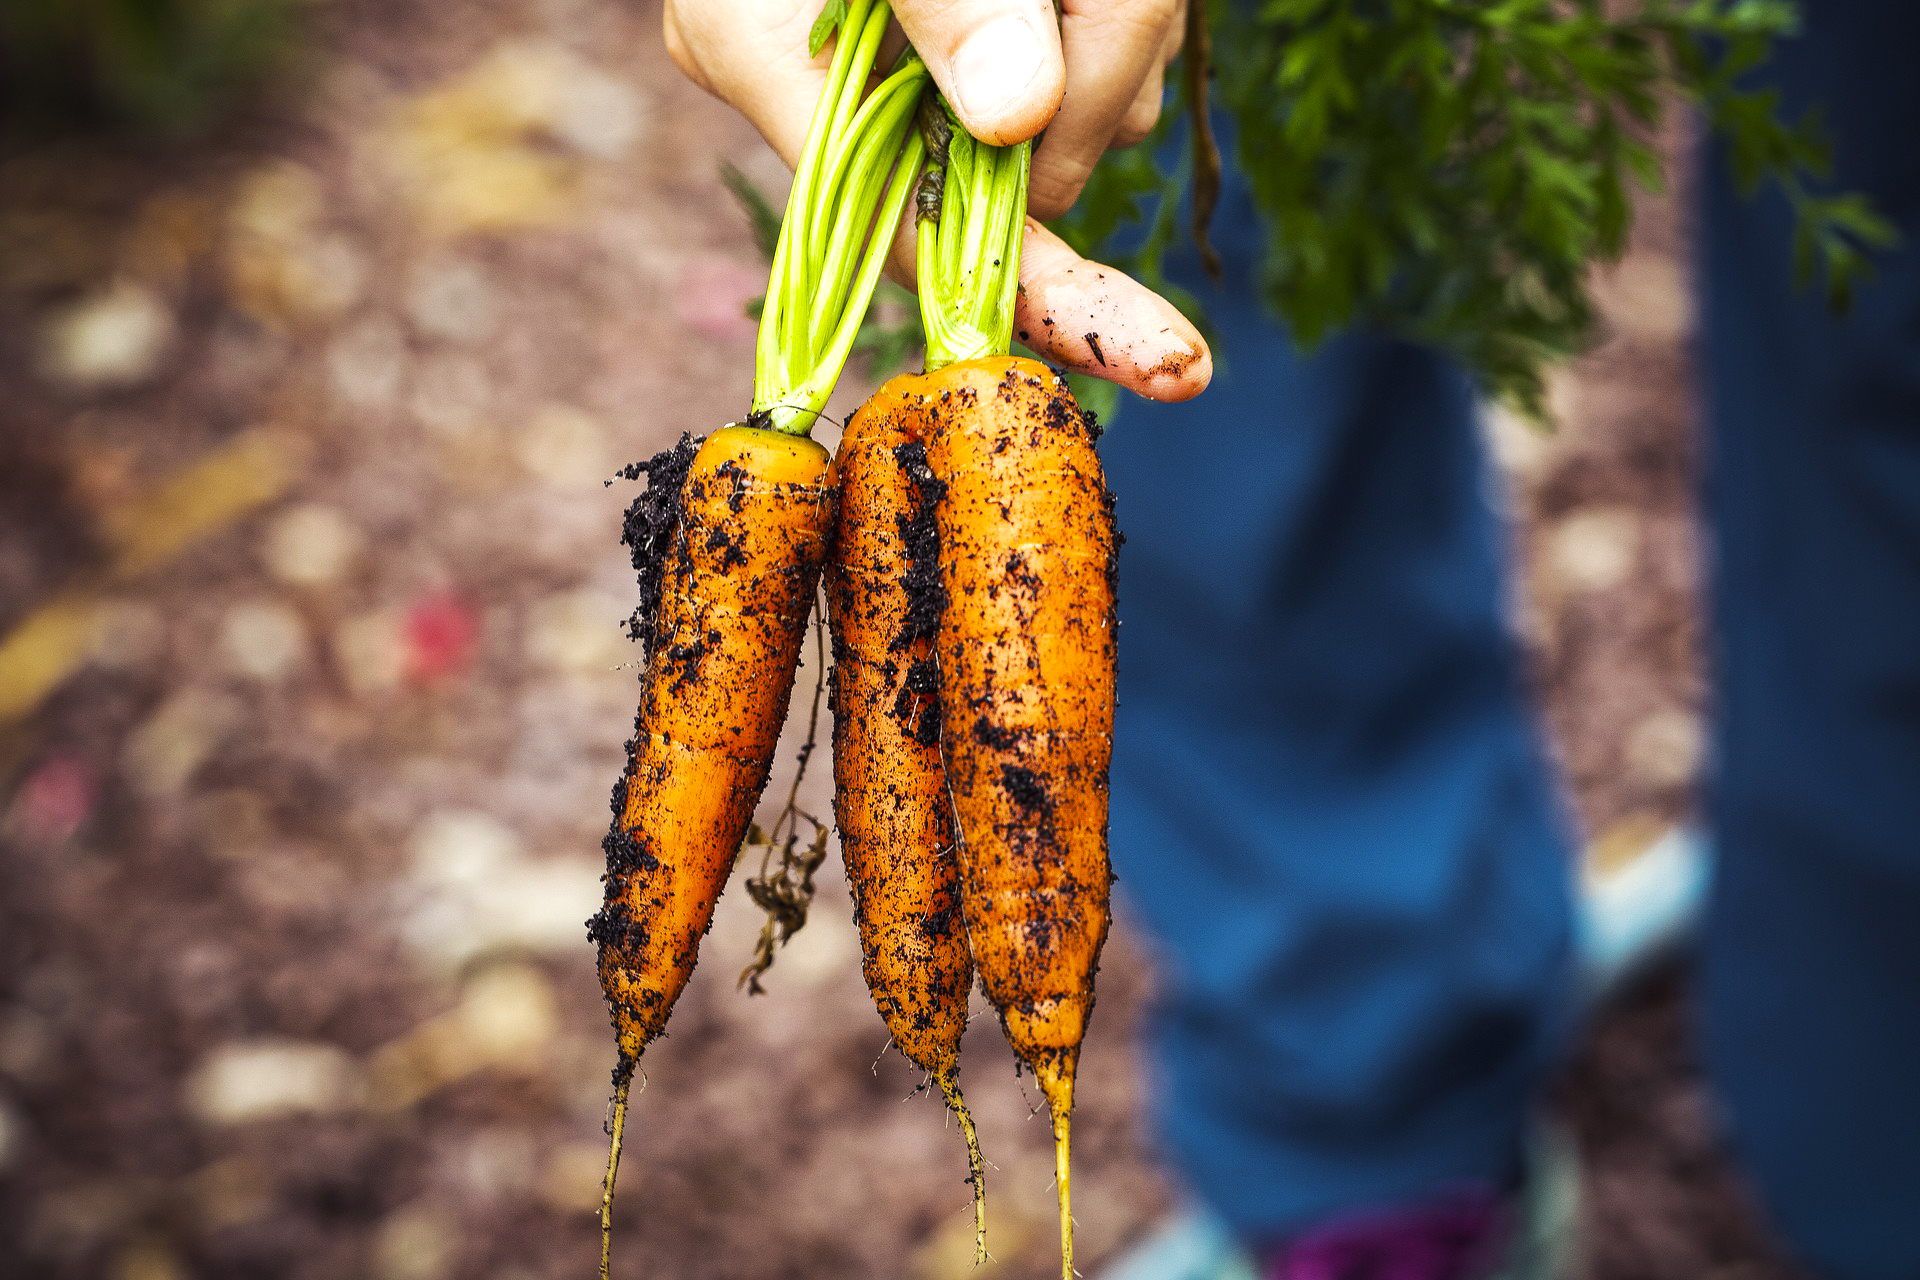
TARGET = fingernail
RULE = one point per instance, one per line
(994, 68)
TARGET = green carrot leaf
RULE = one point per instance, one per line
(1449, 170)
(825, 25)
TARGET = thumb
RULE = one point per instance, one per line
(997, 61)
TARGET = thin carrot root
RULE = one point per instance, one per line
(1062, 1121)
(976, 1167)
(623, 1084)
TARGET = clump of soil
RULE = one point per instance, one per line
(918, 705)
(651, 521)
(1025, 787)
(650, 524)
(926, 597)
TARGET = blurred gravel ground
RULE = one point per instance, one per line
(312, 687)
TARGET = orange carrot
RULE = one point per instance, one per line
(1026, 637)
(1026, 656)
(737, 584)
(730, 550)
(890, 794)
(723, 616)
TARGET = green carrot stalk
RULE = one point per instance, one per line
(855, 175)
(970, 221)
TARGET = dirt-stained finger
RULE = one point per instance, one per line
(1092, 318)
(1096, 320)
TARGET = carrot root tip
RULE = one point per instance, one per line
(616, 1130)
(1061, 1145)
(976, 1168)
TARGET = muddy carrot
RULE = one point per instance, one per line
(729, 540)
(890, 792)
(1026, 653)
(1025, 645)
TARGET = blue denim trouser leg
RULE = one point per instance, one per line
(1811, 990)
(1329, 804)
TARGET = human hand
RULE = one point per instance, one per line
(1092, 81)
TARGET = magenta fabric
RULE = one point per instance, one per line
(1452, 1238)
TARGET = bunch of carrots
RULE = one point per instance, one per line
(966, 537)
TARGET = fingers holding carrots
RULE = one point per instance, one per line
(967, 540)
(753, 54)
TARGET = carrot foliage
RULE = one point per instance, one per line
(1449, 169)
(970, 214)
(862, 156)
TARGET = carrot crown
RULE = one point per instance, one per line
(970, 218)
(849, 190)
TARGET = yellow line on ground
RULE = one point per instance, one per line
(55, 640)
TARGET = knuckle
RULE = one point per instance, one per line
(1164, 11)
(1139, 119)
(1134, 23)
(1136, 126)
(1153, 15)
(1053, 192)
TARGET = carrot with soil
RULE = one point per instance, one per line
(1025, 642)
(728, 541)
(1026, 651)
(890, 791)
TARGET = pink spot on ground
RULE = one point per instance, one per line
(439, 634)
(54, 800)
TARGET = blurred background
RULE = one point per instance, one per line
(321, 326)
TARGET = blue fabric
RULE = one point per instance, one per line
(1329, 804)
(1811, 976)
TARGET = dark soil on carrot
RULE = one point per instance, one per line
(647, 532)
(921, 536)
(651, 520)
(301, 813)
